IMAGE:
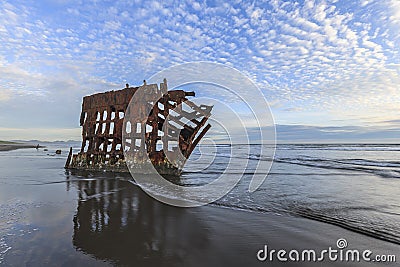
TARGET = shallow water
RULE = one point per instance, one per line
(50, 216)
(353, 186)
(53, 217)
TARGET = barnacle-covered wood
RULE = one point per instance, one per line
(102, 121)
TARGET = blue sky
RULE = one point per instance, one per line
(326, 67)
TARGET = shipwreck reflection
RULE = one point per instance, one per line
(115, 221)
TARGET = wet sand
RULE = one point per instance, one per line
(52, 217)
(113, 222)
(8, 146)
(236, 237)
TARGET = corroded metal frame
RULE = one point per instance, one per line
(102, 121)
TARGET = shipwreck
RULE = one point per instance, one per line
(174, 126)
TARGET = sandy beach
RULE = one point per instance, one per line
(126, 227)
(236, 236)
(8, 146)
(53, 217)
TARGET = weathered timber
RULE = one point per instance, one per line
(103, 129)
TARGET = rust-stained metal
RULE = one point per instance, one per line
(103, 128)
(68, 158)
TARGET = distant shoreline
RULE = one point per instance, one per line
(8, 146)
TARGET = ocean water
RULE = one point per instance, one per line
(89, 218)
(355, 186)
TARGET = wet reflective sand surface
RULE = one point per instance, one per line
(50, 217)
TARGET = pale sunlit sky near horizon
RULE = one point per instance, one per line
(329, 69)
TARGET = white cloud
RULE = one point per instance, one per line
(196, 6)
(306, 55)
(112, 25)
(320, 12)
(365, 2)
(394, 7)
(5, 95)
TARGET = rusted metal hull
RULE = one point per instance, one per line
(103, 130)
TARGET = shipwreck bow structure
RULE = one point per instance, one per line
(166, 136)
